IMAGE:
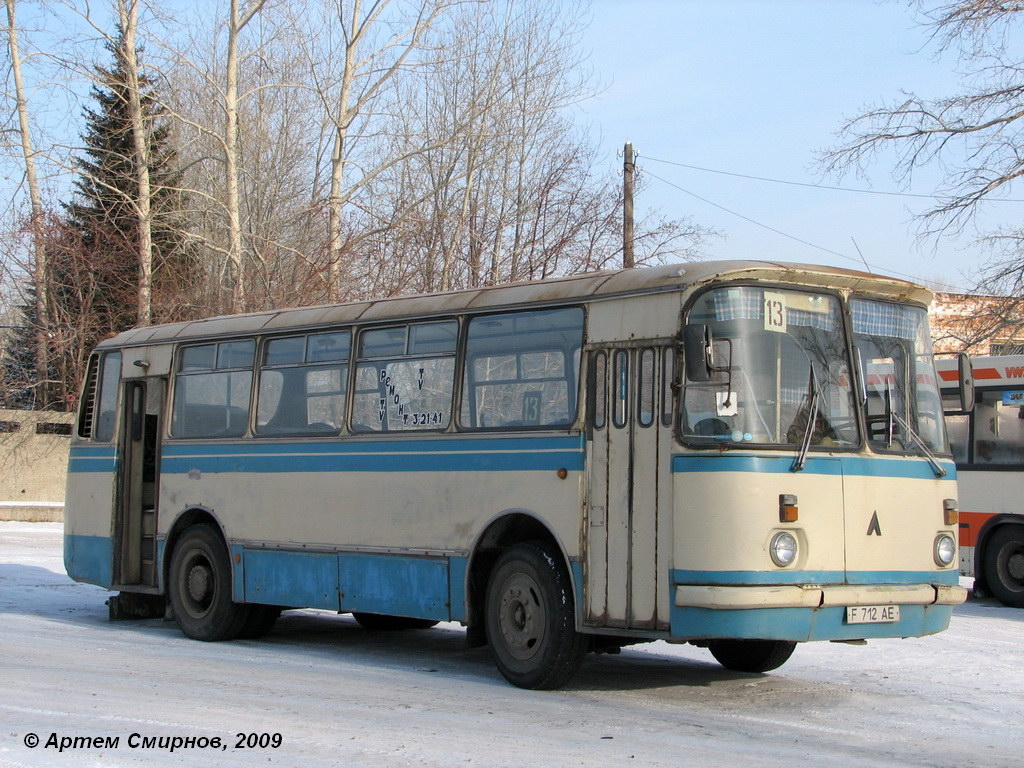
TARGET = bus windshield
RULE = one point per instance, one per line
(895, 354)
(780, 356)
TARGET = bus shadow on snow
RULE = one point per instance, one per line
(443, 650)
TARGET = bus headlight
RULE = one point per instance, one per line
(945, 550)
(783, 549)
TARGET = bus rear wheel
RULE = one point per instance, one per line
(531, 619)
(1004, 565)
(200, 587)
(383, 622)
(751, 655)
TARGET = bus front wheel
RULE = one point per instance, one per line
(531, 619)
(1004, 565)
(751, 655)
(200, 587)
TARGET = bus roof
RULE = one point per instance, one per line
(584, 287)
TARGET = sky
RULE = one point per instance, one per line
(760, 88)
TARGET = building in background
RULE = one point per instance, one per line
(978, 325)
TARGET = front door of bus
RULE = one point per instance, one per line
(138, 475)
(629, 520)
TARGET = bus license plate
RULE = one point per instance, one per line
(872, 614)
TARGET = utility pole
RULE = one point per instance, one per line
(627, 206)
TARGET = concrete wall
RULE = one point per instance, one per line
(33, 464)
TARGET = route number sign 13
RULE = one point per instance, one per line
(775, 312)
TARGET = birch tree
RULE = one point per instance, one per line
(40, 272)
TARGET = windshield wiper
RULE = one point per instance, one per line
(916, 438)
(812, 416)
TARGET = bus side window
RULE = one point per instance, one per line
(645, 389)
(522, 369)
(212, 390)
(303, 380)
(106, 411)
(620, 383)
(998, 431)
(957, 428)
(599, 390)
(405, 378)
(667, 375)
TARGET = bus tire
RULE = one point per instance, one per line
(200, 587)
(1004, 565)
(386, 623)
(261, 620)
(530, 618)
(751, 655)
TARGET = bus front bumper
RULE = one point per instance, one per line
(809, 612)
(801, 596)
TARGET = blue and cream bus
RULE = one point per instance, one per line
(739, 455)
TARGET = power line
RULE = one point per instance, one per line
(813, 186)
(789, 236)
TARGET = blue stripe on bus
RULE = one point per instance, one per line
(474, 455)
(335, 446)
(680, 576)
(917, 468)
(802, 624)
(89, 559)
(92, 458)
(495, 455)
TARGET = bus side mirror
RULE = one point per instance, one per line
(697, 352)
(965, 386)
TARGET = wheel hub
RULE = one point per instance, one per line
(1015, 566)
(200, 583)
(521, 617)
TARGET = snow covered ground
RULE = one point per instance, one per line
(339, 695)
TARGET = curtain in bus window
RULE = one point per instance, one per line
(778, 351)
(522, 369)
(895, 356)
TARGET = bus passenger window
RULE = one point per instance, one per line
(599, 388)
(667, 374)
(998, 431)
(107, 411)
(405, 377)
(212, 390)
(522, 369)
(645, 399)
(302, 386)
(620, 384)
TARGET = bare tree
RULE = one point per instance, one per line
(39, 268)
(976, 136)
(128, 19)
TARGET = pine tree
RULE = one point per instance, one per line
(103, 215)
(19, 368)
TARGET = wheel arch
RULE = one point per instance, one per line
(507, 528)
(186, 519)
(991, 525)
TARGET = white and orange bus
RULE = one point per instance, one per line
(692, 453)
(988, 447)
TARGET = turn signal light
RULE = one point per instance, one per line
(950, 512)
(788, 512)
